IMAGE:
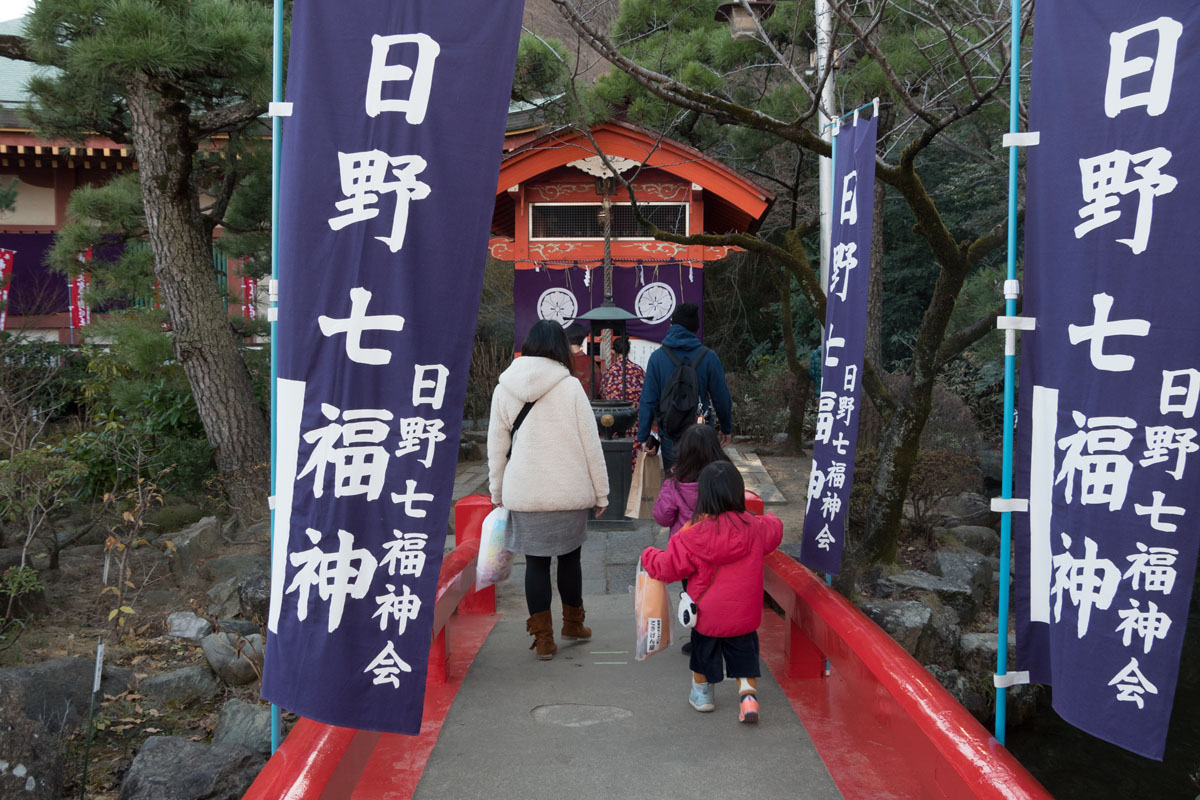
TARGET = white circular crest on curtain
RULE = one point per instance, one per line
(559, 305)
(654, 303)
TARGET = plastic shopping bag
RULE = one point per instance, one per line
(494, 563)
(652, 609)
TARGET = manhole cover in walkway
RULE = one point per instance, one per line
(572, 715)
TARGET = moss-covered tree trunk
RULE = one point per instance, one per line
(204, 342)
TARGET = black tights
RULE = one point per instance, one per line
(537, 581)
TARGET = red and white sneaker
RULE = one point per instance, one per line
(748, 709)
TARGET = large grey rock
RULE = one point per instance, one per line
(903, 620)
(979, 652)
(955, 594)
(941, 642)
(235, 566)
(191, 546)
(254, 596)
(244, 627)
(991, 468)
(258, 532)
(171, 768)
(969, 567)
(246, 724)
(976, 537)
(31, 764)
(182, 686)
(56, 693)
(186, 625)
(223, 598)
(964, 691)
(235, 659)
(968, 508)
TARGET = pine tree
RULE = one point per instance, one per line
(185, 83)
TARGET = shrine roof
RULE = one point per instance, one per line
(733, 203)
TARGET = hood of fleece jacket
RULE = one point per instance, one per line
(723, 540)
(680, 339)
(530, 377)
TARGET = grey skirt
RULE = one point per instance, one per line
(545, 533)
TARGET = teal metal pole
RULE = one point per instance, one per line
(276, 139)
(833, 198)
(1010, 372)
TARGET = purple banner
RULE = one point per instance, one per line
(390, 163)
(1109, 379)
(35, 288)
(650, 290)
(838, 407)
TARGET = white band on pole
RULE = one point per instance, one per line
(1012, 290)
(99, 673)
(1003, 504)
(276, 109)
(273, 290)
(272, 315)
(1026, 139)
(1010, 679)
(1016, 323)
(1010, 343)
(271, 502)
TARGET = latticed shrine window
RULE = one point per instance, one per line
(584, 221)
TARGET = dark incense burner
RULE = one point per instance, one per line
(614, 417)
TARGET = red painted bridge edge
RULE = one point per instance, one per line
(883, 726)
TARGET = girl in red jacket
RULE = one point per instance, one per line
(721, 554)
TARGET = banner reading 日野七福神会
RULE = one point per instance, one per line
(388, 182)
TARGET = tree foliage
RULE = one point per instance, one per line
(185, 83)
(939, 69)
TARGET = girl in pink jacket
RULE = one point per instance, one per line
(722, 555)
(676, 504)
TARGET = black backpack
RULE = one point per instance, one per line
(680, 398)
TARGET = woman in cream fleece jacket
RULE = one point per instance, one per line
(554, 475)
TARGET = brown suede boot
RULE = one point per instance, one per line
(542, 628)
(573, 627)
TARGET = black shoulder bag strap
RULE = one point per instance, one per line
(517, 424)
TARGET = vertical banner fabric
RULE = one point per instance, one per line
(6, 271)
(840, 401)
(249, 298)
(390, 162)
(81, 312)
(1110, 377)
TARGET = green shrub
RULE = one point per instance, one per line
(762, 396)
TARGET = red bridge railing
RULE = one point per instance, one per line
(325, 762)
(882, 724)
(890, 704)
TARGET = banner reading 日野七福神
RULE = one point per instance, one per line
(388, 182)
(1110, 377)
(838, 406)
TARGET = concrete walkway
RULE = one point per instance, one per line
(595, 723)
(472, 478)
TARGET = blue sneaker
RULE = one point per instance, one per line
(701, 698)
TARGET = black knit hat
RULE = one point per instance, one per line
(687, 315)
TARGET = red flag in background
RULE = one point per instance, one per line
(6, 271)
(249, 297)
(81, 313)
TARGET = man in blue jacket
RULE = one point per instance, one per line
(682, 340)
